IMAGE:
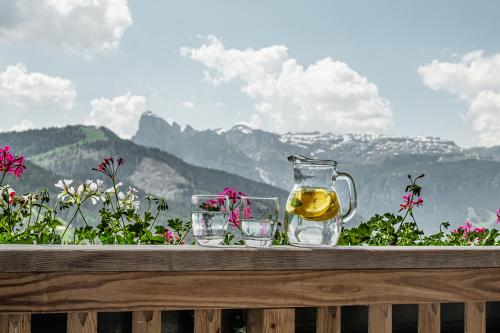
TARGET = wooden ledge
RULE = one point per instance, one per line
(120, 258)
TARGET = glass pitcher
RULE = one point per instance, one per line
(313, 213)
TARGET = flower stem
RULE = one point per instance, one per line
(120, 219)
(70, 221)
(184, 236)
(154, 221)
(3, 176)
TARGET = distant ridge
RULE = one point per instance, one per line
(71, 152)
(460, 183)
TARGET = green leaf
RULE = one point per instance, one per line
(295, 202)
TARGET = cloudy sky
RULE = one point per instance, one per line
(426, 68)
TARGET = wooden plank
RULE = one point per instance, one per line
(15, 323)
(120, 258)
(146, 321)
(271, 320)
(380, 318)
(328, 319)
(475, 317)
(126, 291)
(82, 322)
(207, 321)
(429, 318)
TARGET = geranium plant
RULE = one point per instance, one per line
(29, 218)
(121, 219)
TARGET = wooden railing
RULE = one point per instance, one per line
(271, 283)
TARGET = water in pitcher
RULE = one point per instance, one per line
(313, 216)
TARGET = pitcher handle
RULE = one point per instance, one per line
(353, 196)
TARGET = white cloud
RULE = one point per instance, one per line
(475, 79)
(35, 90)
(327, 95)
(24, 125)
(120, 114)
(81, 26)
(188, 104)
(485, 114)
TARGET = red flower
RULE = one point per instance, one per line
(107, 166)
(12, 195)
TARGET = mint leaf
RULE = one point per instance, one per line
(295, 203)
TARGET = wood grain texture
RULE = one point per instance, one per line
(82, 322)
(15, 323)
(380, 318)
(475, 317)
(109, 258)
(429, 318)
(146, 321)
(134, 291)
(207, 321)
(328, 319)
(271, 321)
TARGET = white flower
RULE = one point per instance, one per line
(94, 199)
(29, 198)
(80, 189)
(112, 190)
(63, 184)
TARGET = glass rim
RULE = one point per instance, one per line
(259, 198)
(210, 196)
(303, 160)
(195, 198)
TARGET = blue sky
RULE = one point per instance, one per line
(98, 72)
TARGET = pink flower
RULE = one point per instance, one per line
(212, 205)
(247, 212)
(234, 219)
(498, 216)
(408, 202)
(263, 229)
(10, 164)
(479, 230)
(170, 236)
(235, 199)
(468, 228)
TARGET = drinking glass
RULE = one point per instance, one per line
(259, 218)
(209, 214)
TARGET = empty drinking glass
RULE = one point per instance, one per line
(259, 219)
(209, 214)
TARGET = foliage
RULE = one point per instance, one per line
(30, 219)
(397, 229)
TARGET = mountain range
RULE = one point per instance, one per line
(70, 152)
(167, 160)
(460, 184)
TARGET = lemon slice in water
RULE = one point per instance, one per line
(315, 202)
(330, 213)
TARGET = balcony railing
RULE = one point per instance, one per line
(271, 283)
